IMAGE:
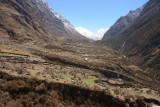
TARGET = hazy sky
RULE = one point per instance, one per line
(94, 14)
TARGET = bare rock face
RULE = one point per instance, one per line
(33, 20)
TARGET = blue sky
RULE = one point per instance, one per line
(94, 14)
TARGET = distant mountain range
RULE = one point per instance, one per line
(137, 35)
(33, 20)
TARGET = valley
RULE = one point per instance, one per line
(45, 62)
(80, 65)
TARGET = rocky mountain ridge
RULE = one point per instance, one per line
(33, 20)
(140, 39)
(122, 23)
(65, 22)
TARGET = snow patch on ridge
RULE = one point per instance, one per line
(65, 22)
(43, 4)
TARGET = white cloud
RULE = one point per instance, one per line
(92, 35)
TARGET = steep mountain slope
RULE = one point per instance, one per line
(122, 23)
(141, 39)
(41, 67)
(33, 20)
